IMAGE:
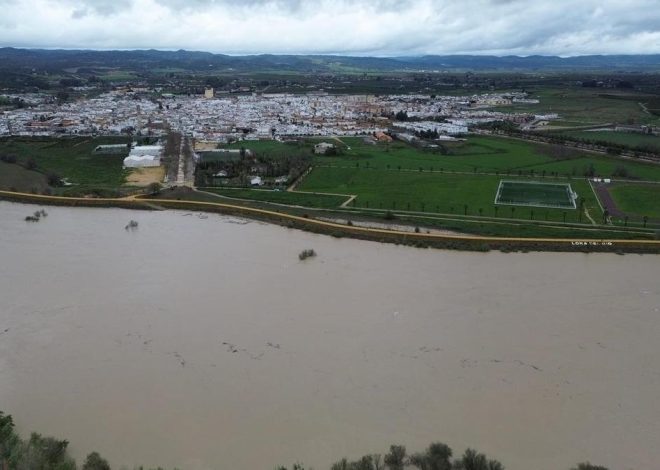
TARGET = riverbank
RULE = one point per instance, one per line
(307, 223)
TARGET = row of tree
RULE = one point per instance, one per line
(612, 148)
(249, 164)
(47, 453)
(437, 456)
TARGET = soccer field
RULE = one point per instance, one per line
(535, 194)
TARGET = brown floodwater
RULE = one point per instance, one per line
(204, 343)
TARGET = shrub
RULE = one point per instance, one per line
(306, 254)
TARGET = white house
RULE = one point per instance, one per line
(256, 181)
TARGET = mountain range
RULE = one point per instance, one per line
(60, 59)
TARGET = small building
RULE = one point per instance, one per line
(139, 150)
(141, 161)
(143, 156)
(256, 181)
(111, 149)
(208, 93)
(323, 148)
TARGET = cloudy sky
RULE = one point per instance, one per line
(353, 27)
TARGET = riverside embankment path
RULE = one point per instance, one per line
(571, 244)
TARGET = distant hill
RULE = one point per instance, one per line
(56, 60)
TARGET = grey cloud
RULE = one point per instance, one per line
(287, 5)
(377, 27)
(84, 8)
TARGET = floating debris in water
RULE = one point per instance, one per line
(131, 225)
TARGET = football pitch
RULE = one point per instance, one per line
(536, 194)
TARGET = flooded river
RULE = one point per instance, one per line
(203, 342)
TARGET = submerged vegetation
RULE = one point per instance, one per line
(306, 254)
(36, 217)
(132, 225)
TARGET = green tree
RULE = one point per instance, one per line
(473, 460)
(31, 164)
(154, 188)
(395, 458)
(95, 462)
(53, 179)
(436, 457)
(588, 466)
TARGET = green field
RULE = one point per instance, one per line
(584, 106)
(629, 139)
(216, 156)
(480, 154)
(272, 148)
(461, 179)
(433, 192)
(534, 193)
(71, 158)
(281, 197)
(637, 199)
(20, 179)
(402, 177)
(483, 154)
(486, 154)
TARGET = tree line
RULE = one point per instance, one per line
(437, 456)
(48, 453)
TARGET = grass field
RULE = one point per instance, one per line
(591, 105)
(433, 192)
(492, 226)
(272, 148)
(485, 154)
(281, 197)
(480, 154)
(71, 159)
(400, 176)
(462, 181)
(623, 138)
(533, 193)
(637, 199)
(215, 156)
(20, 179)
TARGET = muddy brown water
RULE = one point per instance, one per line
(205, 343)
